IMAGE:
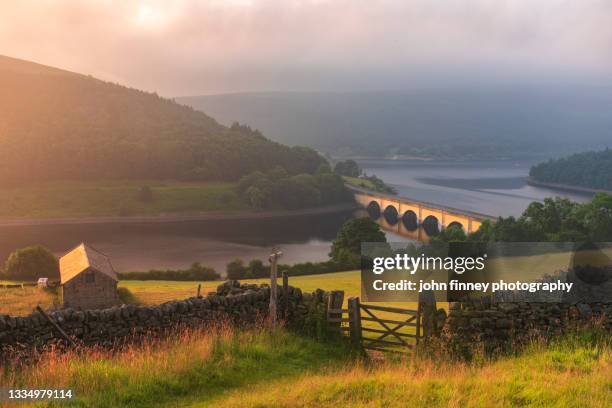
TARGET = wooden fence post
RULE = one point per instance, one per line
(276, 253)
(55, 325)
(334, 302)
(354, 319)
(426, 314)
(285, 294)
(418, 323)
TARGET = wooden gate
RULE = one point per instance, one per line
(375, 327)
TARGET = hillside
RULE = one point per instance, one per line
(470, 122)
(590, 170)
(258, 369)
(56, 124)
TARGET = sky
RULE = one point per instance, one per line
(183, 47)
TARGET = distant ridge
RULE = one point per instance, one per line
(56, 124)
(466, 122)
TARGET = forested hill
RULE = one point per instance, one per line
(442, 122)
(590, 169)
(56, 124)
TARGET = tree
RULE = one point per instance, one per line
(256, 197)
(255, 178)
(348, 168)
(346, 248)
(31, 263)
(277, 173)
(235, 269)
(332, 188)
(257, 269)
(598, 217)
(452, 233)
(589, 169)
(324, 168)
(299, 191)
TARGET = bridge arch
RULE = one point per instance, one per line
(456, 224)
(410, 220)
(373, 210)
(431, 225)
(391, 215)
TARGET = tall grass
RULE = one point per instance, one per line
(22, 301)
(575, 371)
(222, 367)
(193, 366)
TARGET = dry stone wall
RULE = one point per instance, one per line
(239, 304)
(490, 327)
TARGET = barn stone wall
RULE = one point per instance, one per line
(79, 294)
(239, 304)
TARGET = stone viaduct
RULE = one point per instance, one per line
(415, 219)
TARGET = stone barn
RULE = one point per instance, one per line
(88, 280)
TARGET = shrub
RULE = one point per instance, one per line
(257, 269)
(235, 269)
(195, 272)
(346, 248)
(31, 263)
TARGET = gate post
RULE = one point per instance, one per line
(285, 294)
(426, 315)
(354, 320)
(334, 301)
(418, 322)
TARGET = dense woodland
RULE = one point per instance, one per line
(277, 189)
(553, 220)
(477, 121)
(590, 169)
(60, 125)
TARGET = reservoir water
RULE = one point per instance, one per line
(490, 187)
(171, 245)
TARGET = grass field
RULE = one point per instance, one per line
(22, 301)
(16, 302)
(155, 292)
(116, 198)
(359, 182)
(258, 369)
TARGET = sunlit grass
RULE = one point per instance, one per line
(220, 367)
(22, 301)
(200, 365)
(574, 372)
(359, 182)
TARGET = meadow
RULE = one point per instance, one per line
(155, 292)
(116, 198)
(226, 367)
(19, 301)
(359, 182)
(22, 301)
(256, 368)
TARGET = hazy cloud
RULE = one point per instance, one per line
(192, 47)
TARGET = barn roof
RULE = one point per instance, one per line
(82, 258)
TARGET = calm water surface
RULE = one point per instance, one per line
(495, 188)
(489, 187)
(134, 247)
